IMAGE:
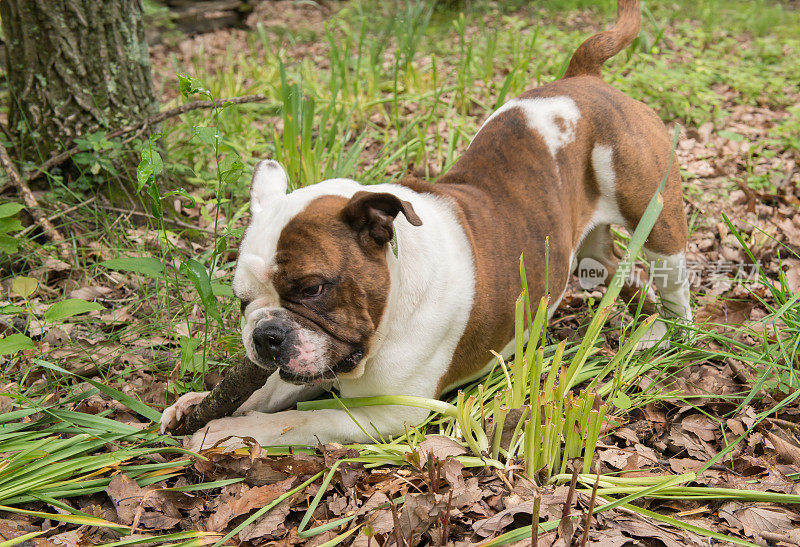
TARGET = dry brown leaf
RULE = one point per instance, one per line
(724, 312)
(696, 447)
(700, 425)
(647, 531)
(684, 465)
(787, 449)
(616, 458)
(70, 539)
(754, 519)
(792, 270)
(90, 292)
(337, 504)
(268, 525)
(243, 500)
(442, 447)
(418, 514)
(131, 502)
(127, 497)
(117, 315)
(498, 522)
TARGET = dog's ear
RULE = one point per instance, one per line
(269, 181)
(373, 213)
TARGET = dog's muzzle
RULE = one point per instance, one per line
(303, 355)
(325, 375)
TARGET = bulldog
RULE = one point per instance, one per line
(403, 289)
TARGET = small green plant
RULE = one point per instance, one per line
(97, 153)
(787, 130)
(198, 271)
(9, 224)
(25, 287)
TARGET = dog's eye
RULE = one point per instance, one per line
(312, 290)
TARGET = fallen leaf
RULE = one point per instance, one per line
(243, 499)
(724, 312)
(756, 519)
(131, 502)
(90, 292)
(269, 524)
(441, 447)
(498, 522)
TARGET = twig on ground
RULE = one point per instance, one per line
(5, 131)
(588, 521)
(152, 120)
(446, 517)
(33, 205)
(173, 221)
(58, 215)
(398, 538)
(537, 501)
(565, 529)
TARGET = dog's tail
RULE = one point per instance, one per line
(589, 57)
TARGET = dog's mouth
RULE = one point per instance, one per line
(327, 374)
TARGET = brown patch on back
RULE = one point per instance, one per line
(504, 214)
(509, 197)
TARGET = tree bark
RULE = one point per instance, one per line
(74, 67)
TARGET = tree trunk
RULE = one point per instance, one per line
(74, 67)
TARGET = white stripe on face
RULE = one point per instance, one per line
(431, 289)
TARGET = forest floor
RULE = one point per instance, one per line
(705, 432)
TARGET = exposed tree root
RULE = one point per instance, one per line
(33, 205)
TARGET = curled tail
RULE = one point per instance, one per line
(589, 57)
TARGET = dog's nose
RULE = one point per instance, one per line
(268, 340)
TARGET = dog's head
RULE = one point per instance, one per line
(312, 274)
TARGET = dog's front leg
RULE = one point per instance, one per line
(274, 396)
(309, 427)
(278, 395)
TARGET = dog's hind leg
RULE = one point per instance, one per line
(666, 257)
(667, 275)
(598, 245)
(665, 252)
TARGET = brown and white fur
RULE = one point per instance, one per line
(326, 299)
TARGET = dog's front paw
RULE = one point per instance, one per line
(172, 416)
(229, 430)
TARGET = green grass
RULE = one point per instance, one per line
(394, 87)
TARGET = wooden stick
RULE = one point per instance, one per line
(236, 387)
(152, 120)
(57, 215)
(32, 204)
